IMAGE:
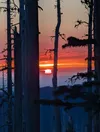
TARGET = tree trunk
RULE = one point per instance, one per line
(18, 83)
(90, 62)
(3, 87)
(9, 71)
(31, 63)
(23, 49)
(97, 52)
(57, 118)
(97, 35)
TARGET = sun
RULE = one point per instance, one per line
(48, 71)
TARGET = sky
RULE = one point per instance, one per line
(70, 58)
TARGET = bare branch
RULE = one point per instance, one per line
(52, 37)
(80, 22)
(49, 51)
(40, 8)
(63, 36)
(15, 5)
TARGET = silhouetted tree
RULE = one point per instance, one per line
(55, 68)
(18, 83)
(30, 63)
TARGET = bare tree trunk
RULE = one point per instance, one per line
(31, 63)
(9, 71)
(97, 52)
(90, 45)
(18, 82)
(97, 36)
(22, 39)
(90, 62)
(56, 109)
(3, 86)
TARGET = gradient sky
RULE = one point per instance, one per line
(72, 10)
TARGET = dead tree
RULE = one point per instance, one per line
(97, 52)
(30, 63)
(89, 69)
(17, 82)
(22, 42)
(54, 80)
(9, 71)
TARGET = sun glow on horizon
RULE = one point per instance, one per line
(63, 65)
(48, 71)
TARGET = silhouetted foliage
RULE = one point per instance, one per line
(75, 42)
(85, 75)
(67, 89)
(56, 102)
(92, 83)
(87, 3)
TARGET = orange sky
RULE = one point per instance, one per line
(72, 58)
